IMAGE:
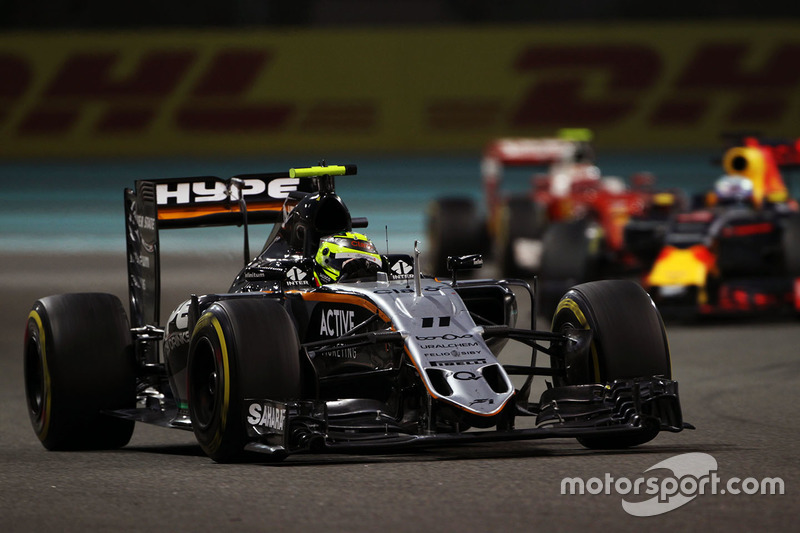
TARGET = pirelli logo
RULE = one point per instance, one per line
(459, 362)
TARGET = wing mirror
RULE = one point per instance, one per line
(463, 262)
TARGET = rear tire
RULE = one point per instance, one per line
(522, 219)
(567, 259)
(454, 228)
(791, 245)
(78, 365)
(240, 349)
(629, 341)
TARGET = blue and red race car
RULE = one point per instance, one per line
(739, 251)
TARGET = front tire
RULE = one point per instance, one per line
(240, 349)
(78, 365)
(629, 341)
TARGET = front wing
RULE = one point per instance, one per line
(624, 407)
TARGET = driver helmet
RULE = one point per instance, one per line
(346, 255)
(733, 190)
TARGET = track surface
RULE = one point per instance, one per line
(739, 384)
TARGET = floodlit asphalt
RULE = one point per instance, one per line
(739, 383)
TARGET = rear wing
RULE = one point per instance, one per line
(784, 152)
(571, 145)
(761, 160)
(158, 204)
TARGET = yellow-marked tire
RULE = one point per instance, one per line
(240, 349)
(629, 341)
(78, 365)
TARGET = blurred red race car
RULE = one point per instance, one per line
(739, 251)
(568, 226)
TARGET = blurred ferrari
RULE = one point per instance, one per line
(570, 225)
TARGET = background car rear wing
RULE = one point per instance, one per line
(199, 202)
(785, 152)
(571, 145)
(761, 161)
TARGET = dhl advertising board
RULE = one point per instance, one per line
(261, 92)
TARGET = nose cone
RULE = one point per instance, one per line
(675, 266)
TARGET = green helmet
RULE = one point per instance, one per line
(350, 254)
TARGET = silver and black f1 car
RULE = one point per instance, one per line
(281, 364)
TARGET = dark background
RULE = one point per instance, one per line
(126, 14)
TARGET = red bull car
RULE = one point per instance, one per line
(323, 344)
(739, 252)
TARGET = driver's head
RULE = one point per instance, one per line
(345, 256)
(733, 190)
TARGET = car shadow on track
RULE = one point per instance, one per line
(474, 452)
(184, 450)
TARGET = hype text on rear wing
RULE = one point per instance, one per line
(192, 202)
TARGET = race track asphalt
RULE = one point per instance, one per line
(739, 383)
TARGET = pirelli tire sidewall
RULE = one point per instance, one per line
(78, 366)
(629, 338)
(240, 349)
(628, 341)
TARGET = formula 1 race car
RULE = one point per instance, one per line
(322, 344)
(569, 227)
(739, 252)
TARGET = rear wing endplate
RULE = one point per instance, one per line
(194, 202)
